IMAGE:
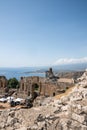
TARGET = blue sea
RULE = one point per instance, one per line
(20, 72)
(38, 71)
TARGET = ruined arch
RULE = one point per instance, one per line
(35, 90)
(30, 85)
(35, 86)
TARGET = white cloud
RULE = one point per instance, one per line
(64, 61)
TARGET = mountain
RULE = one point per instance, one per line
(70, 67)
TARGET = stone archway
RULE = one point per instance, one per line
(35, 86)
(35, 90)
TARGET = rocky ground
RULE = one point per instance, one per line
(66, 113)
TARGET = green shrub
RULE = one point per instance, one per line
(13, 83)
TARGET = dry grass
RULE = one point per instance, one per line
(64, 94)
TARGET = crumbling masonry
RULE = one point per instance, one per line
(46, 86)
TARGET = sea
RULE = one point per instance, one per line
(39, 71)
(20, 72)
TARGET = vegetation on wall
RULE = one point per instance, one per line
(13, 83)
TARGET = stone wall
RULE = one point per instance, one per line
(45, 87)
(27, 85)
(3, 84)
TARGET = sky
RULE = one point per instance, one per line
(42, 32)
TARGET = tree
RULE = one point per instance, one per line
(13, 83)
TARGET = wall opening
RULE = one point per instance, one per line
(23, 87)
(35, 90)
(54, 94)
(36, 87)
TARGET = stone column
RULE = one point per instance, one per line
(31, 88)
(40, 85)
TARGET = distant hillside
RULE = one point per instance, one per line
(73, 75)
(64, 68)
(70, 67)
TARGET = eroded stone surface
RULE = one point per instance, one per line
(67, 113)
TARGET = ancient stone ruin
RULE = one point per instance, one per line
(69, 112)
(50, 85)
(3, 84)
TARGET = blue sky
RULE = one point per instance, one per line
(42, 32)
